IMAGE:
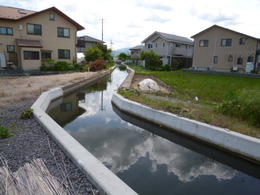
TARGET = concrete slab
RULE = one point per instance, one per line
(239, 144)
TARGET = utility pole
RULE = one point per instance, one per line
(111, 43)
(102, 21)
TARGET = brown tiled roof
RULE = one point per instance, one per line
(11, 13)
(28, 43)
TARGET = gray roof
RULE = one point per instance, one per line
(90, 39)
(170, 38)
(138, 47)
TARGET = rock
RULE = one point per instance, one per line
(149, 85)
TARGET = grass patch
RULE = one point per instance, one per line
(27, 114)
(215, 105)
(4, 132)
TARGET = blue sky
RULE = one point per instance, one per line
(128, 22)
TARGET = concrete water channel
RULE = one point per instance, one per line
(148, 158)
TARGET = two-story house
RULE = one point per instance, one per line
(172, 49)
(221, 49)
(29, 37)
(135, 51)
(86, 42)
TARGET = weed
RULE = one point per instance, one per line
(4, 132)
(13, 128)
(27, 114)
(122, 67)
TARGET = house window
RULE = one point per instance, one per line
(163, 44)
(156, 45)
(10, 49)
(150, 45)
(215, 59)
(66, 107)
(242, 41)
(240, 61)
(64, 54)
(6, 31)
(230, 58)
(52, 16)
(204, 43)
(250, 59)
(226, 42)
(63, 32)
(177, 45)
(171, 45)
(34, 29)
(46, 55)
(31, 55)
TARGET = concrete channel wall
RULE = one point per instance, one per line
(230, 141)
(105, 181)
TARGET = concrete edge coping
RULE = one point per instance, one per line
(97, 173)
(241, 145)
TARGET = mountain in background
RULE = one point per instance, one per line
(126, 50)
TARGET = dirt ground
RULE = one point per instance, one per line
(16, 89)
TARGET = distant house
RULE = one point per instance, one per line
(86, 42)
(221, 49)
(172, 49)
(28, 37)
(135, 52)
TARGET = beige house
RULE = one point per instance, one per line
(135, 52)
(222, 49)
(172, 49)
(86, 42)
(27, 37)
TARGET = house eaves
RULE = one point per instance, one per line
(169, 38)
(16, 14)
(137, 47)
(90, 39)
(216, 26)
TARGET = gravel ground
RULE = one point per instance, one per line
(30, 141)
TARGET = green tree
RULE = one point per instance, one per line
(106, 53)
(152, 60)
(93, 53)
(123, 56)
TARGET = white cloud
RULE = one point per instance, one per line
(127, 23)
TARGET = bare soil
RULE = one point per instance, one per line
(16, 89)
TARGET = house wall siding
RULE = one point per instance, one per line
(49, 38)
(203, 56)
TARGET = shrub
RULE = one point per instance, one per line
(4, 132)
(27, 114)
(97, 65)
(62, 66)
(122, 67)
(166, 67)
(244, 104)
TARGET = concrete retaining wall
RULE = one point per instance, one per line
(96, 172)
(241, 145)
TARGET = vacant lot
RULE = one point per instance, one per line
(16, 89)
(231, 102)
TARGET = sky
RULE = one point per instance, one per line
(128, 22)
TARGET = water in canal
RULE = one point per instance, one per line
(149, 159)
